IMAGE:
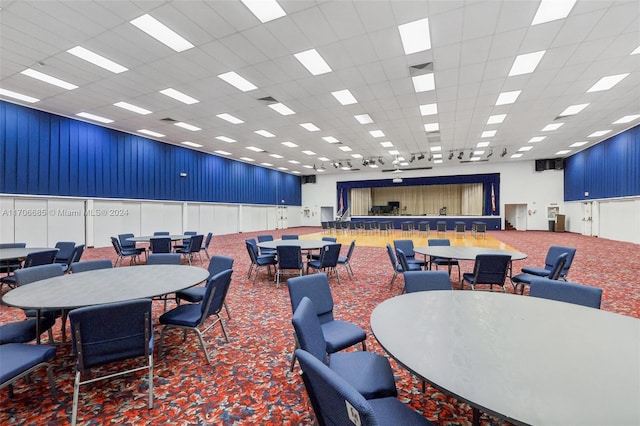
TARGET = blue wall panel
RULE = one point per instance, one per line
(45, 154)
(609, 169)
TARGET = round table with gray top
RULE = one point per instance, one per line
(303, 244)
(8, 254)
(466, 252)
(523, 359)
(147, 238)
(105, 286)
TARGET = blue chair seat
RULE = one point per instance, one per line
(20, 359)
(391, 411)
(341, 334)
(23, 331)
(378, 383)
(183, 315)
(539, 272)
(266, 259)
(192, 295)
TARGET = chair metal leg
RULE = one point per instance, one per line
(395, 274)
(202, 344)
(293, 353)
(76, 390)
(226, 308)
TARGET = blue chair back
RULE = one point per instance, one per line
(315, 287)
(91, 265)
(404, 264)
(329, 255)
(207, 240)
(160, 244)
(164, 259)
(439, 242)
(65, 251)
(289, 257)
(252, 249)
(309, 330)
(392, 258)
(158, 233)
(77, 253)
(352, 246)
(113, 332)
(263, 238)
(558, 267)
(406, 246)
(426, 281)
(195, 243)
(552, 256)
(330, 239)
(491, 268)
(38, 273)
(124, 243)
(12, 245)
(44, 257)
(289, 237)
(566, 292)
(218, 264)
(215, 293)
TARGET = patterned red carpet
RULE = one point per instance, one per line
(248, 381)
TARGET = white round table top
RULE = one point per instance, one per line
(105, 286)
(466, 252)
(20, 252)
(304, 244)
(147, 238)
(525, 359)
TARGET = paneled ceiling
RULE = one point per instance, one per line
(473, 46)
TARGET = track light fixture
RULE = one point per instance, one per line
(349, 163)
(322, 167)
(421, 156)
(450, 155)
(365, 162)
(430, 157)
(460, 155)
(314, 167)
(335, 165)
(413, 158)
(381, 161)
(504, 152)
(470, 154)
(490, 153)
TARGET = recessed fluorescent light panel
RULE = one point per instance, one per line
(96, 59)
(482, 144)
(386, 144)
(281, 109)
(330, 139)
(310, 127)
(179, 96)
(431, 127)
(226, 139)
(237, 81)
(307, 152)
(606, 83)
(516, 156)
(435, 148)
(394, 152)
(255, 149)
(573, 110)
(247, 159)
(563, 152)
(428, 109)
(151, 133)
(192, 144)
(525, 148)
(598, 133)
(356, 155)
(221, 152)
(265, 10)
(230, 118)
(363, 118)
(488, 134)
(627, 119)
(550, 10)
(496, 119)
(526, 64)
(276, 156)
(506, 98)
(551, 127)
(423, 83)
(132, 108)
(48, 79)
(537, 139)
(265, 133)
(282, 168)
(577, 144)
(345, 149)
(344, 97)
(187, 126)
(415, 36)
(289, 144)
(313, 62)
(376, 133)
(162, 33)
(94, 117)
(294, 162)
(266, 164)
(19, 96)
(323, 159)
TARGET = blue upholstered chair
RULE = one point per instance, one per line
(404, 264)
(524, 279)
(265, 238)
(369, 373)
(317, 256)
(24, 331)
(161, 233)
(258, 260)
(346, 260)
(566, 292)
(195, 244)
(33, 259)
(160, 244)
(164, 259)
(290, 237)
(407, 247)
(110, 333)
(205, 245)
(289, 259)
(338, 334)
(336, 402)
(20, 359)
(185, 242)
(64, 256)
(397, 266)
(11, 265)
(91, 265)
(132, 254)
(328, 261)
(426, 281)
(488, 269)
(192, 316)
(441, 261)
(130, 245)
(550, 260)
(77, 253)
(196, 294)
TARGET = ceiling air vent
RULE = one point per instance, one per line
(169, 120)
(421, 68)
(268, 100)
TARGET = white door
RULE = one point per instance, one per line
(326, 214)
(282, 217)
(587, 218)
(521, 217)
